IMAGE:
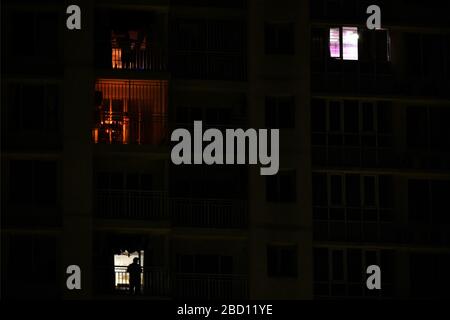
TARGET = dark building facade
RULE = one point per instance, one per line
(87, 177)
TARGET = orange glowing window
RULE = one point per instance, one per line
(130, 111)
(130, 50)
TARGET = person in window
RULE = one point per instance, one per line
(135, 271)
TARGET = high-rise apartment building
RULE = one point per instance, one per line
(87, 177)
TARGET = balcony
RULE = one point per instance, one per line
(155, 282)
(379, 230)
(182, 212)
(209, 66)
(130, 40)
(131, 205)
(211, 213)
(351, 223)
(130, 112)
(149, 59)
(352, 77)
(211, 286)
(158, 282)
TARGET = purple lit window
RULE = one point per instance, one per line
(335, 43)
(348, 43)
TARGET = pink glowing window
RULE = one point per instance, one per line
(347, 47)
(335, 43)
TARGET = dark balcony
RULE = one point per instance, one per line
(378, 231)
(211, 213)
(211, 286)
(131, 205)
(352, 77)
(182, 212)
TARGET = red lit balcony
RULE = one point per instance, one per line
(130, 112)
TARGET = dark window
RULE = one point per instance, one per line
(32, 260)
(321, 265)
(282, 261)
(418, 200)
(34, 35)
(384, 117)
(336, 190)
(335, 116)
(386, 191)
(280, 112)
(440, 130)
(351, 116)
(440, 191)
(318, 115)
(417, 127)
(281, 187)
(33, 182)
(209, 49)
(369, 191)
(429, 275)
(33, 107)
(413, 58)
(354, 265)
(279, 38)
(320, 193)
(337, 265)
(368, 123)
(353, 190)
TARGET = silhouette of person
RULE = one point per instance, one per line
(135, 271)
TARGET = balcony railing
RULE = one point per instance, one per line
(352, 76)
(131, 204)
(183, 212)
(155, 281)
(130, 112)
(211, 286)
(213, 213)
(149, 59)
(134, 55)
(209, 66)
(380, 230)
(159, 282)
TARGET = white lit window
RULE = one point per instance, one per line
(344, 43)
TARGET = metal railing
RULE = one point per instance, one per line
(131, 204)
(159, 282)
(155, 281)
(213, 213)
(130, 112)
(209, 65)
(183, 212)
(210, 286)
(131, 55)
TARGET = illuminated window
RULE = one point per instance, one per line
(335, 43)
(121, 263)
(344, 43)
(130, 111)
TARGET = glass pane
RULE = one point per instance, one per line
(350, 43)
(335, 45)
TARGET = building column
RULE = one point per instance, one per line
(77, 171)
